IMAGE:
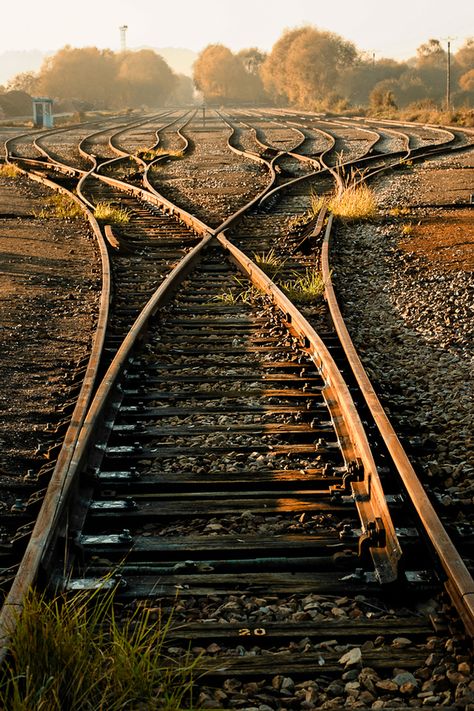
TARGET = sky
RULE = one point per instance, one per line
(392, 28)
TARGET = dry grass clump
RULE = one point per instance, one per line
(73, 653)
(8, 170)
(61, 206)
(149, 154)
(356, 202)
(106, 212)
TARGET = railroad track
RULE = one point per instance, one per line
(223, 455)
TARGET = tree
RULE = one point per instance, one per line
(464, 57)
(274, 67)
(219, 74)
(359, 81)
(382, 98)
(306, 66)
(25, 81)
(87, 74)
(183, 93)
(144, 78)
(252, 59)
(16, 103)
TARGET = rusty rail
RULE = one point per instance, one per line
(366, 486)
(459, 584)
(31, 561)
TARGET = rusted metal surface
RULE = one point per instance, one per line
(55, 499)
(368, 492)
(460, 584)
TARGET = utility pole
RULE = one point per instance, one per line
(371, 52)
(123, 37)
(448, 73)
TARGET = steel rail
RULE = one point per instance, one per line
(368, 491)
(31, 561)
(459, 584)
(59, 496)
(61, 485)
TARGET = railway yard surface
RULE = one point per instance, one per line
(405, 284)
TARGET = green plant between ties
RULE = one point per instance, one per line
(75, 653)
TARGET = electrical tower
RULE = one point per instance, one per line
(123, 37)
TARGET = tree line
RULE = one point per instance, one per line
(85, 78)
(307, 68)
(320, 70)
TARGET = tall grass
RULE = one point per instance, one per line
(356, 202)
(75, 654)
(106, 212)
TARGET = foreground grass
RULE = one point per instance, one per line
(106, 212)
(73, 654)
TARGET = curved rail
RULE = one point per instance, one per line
(31, 561)
(459, 584)
(368, 492)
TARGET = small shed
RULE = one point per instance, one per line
(43, 112)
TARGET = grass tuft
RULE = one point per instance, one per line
(270, 263)
(149, 154)
(244, 294)
(8, 170)
(306, 288)
(408, 229)
(74, 653)
(62, 206)
(106, 212)
(356, 202)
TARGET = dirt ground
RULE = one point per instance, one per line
(443, 236)
(49, 289)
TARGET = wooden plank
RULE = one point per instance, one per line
(162, 451)
(289, 393)
(144, 412)
(223, 544)
(185, 506)
(353, 629)
(190, 430)
(318, 663)
(262, 583)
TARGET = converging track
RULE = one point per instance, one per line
(228, 458)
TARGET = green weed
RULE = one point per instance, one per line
(270, 263)
(306, 288)
(76, 653)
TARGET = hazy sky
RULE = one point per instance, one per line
(392, 28)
